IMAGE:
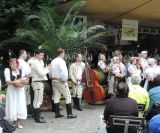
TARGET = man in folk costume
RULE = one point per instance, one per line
(60, 85)
(143, 59)
(75, 72)
(39, 72)
(25, 67)
(144, 65)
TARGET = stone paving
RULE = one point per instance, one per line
(86, 122)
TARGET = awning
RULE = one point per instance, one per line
(147, 12)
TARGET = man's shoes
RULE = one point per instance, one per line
(71, 116)
(19, 126)
(29, 116)
(79, 104)
(69, 111)
(80, 109)
(40, 120)
(37, 116)
(58, 115)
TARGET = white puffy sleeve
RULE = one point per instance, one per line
(7, 74)
(115, 70)
(23, 73)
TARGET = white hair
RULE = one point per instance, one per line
(143, 52)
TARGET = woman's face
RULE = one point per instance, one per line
(40, 56)
(13, 64)
(138, 62)
(118, 60)
(134, 61)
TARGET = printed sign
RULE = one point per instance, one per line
(129, 30)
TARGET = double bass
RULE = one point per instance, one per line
(93, 92)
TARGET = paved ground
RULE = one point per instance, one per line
(86, 122)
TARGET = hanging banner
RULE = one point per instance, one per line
(129, 30)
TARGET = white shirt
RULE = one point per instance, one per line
(133, 70)
(29, 63)
(76, 70)
(151, 72)
(102, 65)
(59, 69)
(24, 67)
(144, 63)
(79, 71)
(116, 70)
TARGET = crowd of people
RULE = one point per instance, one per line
(131, 81)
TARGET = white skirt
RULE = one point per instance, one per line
(15, 104)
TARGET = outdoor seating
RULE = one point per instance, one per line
(141, 108)
(127, 122)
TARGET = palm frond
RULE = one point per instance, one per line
(94, 37)
(74, 11)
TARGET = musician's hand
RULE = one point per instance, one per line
(121, 75)
(105, 70)
(75, 83)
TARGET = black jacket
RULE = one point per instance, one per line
(120, 105)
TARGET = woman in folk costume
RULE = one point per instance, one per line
(102, 69)
(15, 97)
(117, 74)
(150, 73)
(102, 62)
(133, 69)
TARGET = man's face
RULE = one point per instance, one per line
(145, 54)
(62, 55)
(40, 56)
(24, 55)
(79, 58)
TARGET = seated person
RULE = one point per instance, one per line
(154, 95)
(138, 93)
(154, 124)
(2, 109)
(122, 105)
(4, 124)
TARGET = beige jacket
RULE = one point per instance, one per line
(38, 70)
(73, 70)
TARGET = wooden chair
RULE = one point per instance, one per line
(126, 122)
